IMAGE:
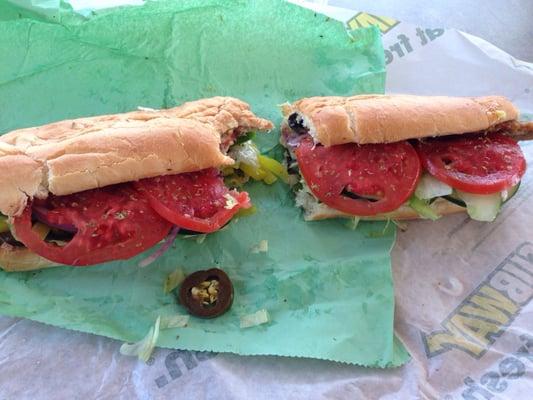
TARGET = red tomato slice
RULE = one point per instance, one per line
(195, 201)
(480, 164)
(360, 180)
(112, 223)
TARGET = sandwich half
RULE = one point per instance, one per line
(97, 189)
(380, 157)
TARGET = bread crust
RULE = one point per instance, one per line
(18, 259)
(86, 153)
(20, 175)
(391, 118)
(128, 151)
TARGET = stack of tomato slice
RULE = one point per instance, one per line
(120, 221)
(366, 180)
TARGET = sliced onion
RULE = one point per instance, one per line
(245, 153)
(291, 138)
(294, 141)
(41, 214)
(162, 249)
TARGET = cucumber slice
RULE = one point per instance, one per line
(458, 198)
(423, 208)
(509, 194)
(482, 207)
(429, 187)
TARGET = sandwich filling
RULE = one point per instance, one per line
(477, 171)
(119, 221)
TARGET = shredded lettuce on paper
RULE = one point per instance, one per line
(173, 280)
(257, 318)
(328, 289)
(143, 348)
(174, 321)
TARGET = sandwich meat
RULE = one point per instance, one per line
(381, 157)
(98, 189)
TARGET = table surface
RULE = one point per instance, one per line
(505, 23)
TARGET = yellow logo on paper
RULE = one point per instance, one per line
(485, 314)
(364, 20)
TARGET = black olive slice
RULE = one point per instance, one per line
(296, 123)
(207, 294)
(8, 238)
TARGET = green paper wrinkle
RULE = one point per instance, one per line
(328, 289)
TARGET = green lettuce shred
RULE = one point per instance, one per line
(423, 208)
(353, 222)
(244, 138)
(174, 321)
(143, 348)
(173, 280)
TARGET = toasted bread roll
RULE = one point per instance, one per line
(17, 259)
(391, 118)
(20, 175)
(87, 153)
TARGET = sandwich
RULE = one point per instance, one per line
(401, 157)
(92, 190)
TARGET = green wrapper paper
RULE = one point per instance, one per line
(328, 289)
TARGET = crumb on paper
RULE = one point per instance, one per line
(262, 247)
(257, 318)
